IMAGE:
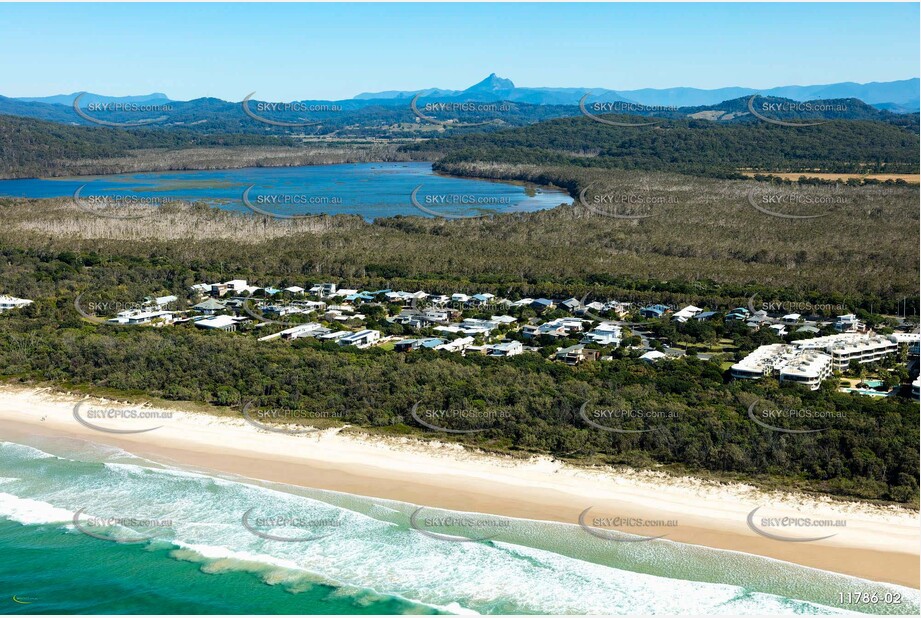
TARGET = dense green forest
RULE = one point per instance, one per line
(35, 147)
(699, 147)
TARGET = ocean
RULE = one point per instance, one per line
(152, 539)
(371, 190)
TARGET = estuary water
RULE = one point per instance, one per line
(371, 190)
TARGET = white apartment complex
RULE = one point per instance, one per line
(791, 364)
(809, 361)
(809, 368)
(847, 347)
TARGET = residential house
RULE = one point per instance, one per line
(575, 354)
(509, 348)
(686, 314)
(334, 336)
(361, 339)
(478, 300)
(848, 323)
(457, 345)
(159, 302)
(143, 318)
(11, 302)
(705, 316)
(571, 304)
(779, 329)
(739, 314)
(296, 332)
(654, 311)
(219, 322)
(606, 333)
(323, 290)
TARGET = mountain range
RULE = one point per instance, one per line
(896, 96)
(902, 95)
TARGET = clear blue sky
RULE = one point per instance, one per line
(332, 51)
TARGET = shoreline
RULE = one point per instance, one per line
(878, 543)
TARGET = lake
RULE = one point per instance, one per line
(371, 190)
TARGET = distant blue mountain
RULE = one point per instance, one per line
(901, 96)
(898, 96)
(89, 97)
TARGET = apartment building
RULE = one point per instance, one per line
(847, 347)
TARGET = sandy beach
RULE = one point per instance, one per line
(872, 542)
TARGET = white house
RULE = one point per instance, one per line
(11, 302)
(779, 329)
(159, 301)
(848, 323)
(653, 356)
(510, 348)
(361, 339)
(140, 318)
(606, 333)
(219, 322)
(686, 314)
(457, 345)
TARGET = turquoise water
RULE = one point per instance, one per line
(371, 190)
(194, 555)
